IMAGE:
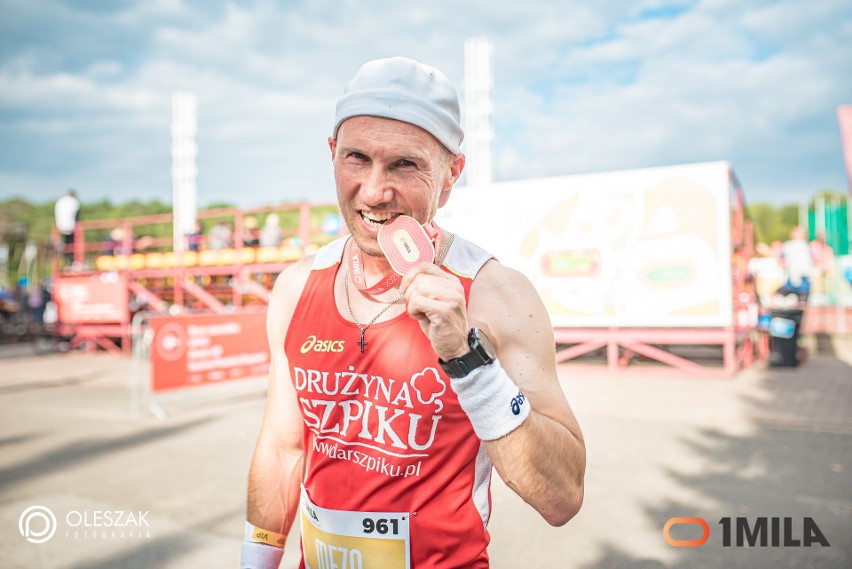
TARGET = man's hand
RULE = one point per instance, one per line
(436, 299)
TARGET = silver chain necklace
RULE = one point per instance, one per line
(444, 249)
(363, 327)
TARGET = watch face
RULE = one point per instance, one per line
(487, 346)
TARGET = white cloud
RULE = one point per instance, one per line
(578, 87)
(695, 91)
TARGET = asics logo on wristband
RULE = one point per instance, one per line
(311, 343)
(517, 403)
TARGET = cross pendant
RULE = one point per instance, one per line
(362, 342)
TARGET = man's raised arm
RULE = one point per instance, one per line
(544, 459)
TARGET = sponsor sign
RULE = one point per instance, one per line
(207, 348)
(92, 299)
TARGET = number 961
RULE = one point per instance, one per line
(381, 526)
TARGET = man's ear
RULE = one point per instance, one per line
(332, 145)
(456, 167)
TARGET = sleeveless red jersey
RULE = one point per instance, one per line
(384, 431)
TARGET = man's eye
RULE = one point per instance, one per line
(357, 156)
(405, 163)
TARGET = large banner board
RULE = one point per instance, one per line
(637, 248)
(198, 349)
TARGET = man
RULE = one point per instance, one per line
(798, 265)
(391, 398)
(66, 213)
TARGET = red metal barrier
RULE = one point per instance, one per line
(738, 347)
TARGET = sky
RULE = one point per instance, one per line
(579, 87)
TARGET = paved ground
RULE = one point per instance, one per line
(766, 443)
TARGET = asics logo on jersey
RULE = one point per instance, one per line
(311, 343)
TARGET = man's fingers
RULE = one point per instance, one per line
(422, 269)
(428, 280)
(436, 299)
(443, 323)
(433, 309)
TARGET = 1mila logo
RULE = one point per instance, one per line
(37, 524)
(762, 532)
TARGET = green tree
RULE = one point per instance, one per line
(772, 223)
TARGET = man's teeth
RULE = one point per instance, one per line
(377, 218)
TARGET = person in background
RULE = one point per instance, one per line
(768, 273)
(824, 269)
(9, 304)
(36, 299)
(220, 236)
(66, 213)
(798, 265)
(270, 235)
(250, 237)
(196, 238)
(115, 243)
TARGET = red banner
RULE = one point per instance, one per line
(92, 299)
(207, 348)
(844, 117)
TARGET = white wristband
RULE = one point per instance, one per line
(256, 554)
(492, 401)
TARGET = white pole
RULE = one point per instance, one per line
(478, 110)
(184, 169)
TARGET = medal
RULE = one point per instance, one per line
(406, 244)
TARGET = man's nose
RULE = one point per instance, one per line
(377, 187)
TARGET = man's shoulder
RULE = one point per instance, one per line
(293, 278)
(329, 254)
(497, 279)
(286, 293)
(465, 258)
(291, 281)
(67, 202)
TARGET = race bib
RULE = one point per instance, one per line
(353, 540)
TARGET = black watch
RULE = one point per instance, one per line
(481, 353)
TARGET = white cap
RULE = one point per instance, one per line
(405, 90)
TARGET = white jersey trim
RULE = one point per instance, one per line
(329, 254)
(481, 484)
(466, 259)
